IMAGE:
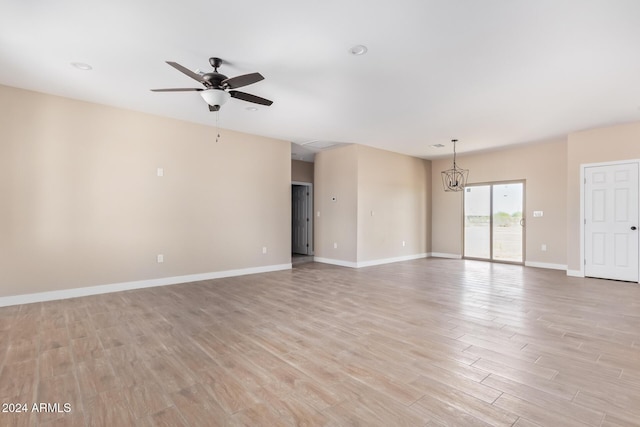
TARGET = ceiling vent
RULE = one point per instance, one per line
(320, 145)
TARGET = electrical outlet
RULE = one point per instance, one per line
(160, 172)
(160, 258)
(543, 248)
(264, 249)
(335, 245)
(404, 243)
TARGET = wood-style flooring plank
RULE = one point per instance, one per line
(429, 342)
(584, 414)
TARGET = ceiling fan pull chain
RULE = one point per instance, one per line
(217, 125)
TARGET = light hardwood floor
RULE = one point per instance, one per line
(428, 342)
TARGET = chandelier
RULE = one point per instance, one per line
(454, 179)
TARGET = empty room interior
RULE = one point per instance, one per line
(210, 215)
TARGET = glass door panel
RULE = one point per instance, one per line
(477, 222)
(507, 222)
(493, 222)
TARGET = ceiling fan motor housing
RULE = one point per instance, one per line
(214, 79)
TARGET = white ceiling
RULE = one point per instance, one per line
(487, 72)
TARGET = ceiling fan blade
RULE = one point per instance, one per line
(186, 71)
(249, 98)
(214, 108)
(182, 89)
(244, 80)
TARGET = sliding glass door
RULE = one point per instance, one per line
(494, 222)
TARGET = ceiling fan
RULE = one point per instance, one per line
(218, 88)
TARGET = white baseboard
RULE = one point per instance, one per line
(352, 264)
(445, 255)
(545, 265)
(390, 260)
(127, 286)
(575, 273)
(339, 262)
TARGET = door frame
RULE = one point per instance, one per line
(310, 210)
(524, 219)
(583, 167)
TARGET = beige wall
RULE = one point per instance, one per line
(301, 171)
(542, 165)
(336, 176)
(395, 188)
(593, 146)
(82, 205)
(363, 179)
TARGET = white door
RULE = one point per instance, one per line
(611, 221)
(299, 219)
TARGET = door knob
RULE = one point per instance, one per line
(633, 227)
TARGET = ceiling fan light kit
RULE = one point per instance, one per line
(218, 88)
(454, 179)
(215, 97)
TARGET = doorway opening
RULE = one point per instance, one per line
(494, 221)
(301, 222)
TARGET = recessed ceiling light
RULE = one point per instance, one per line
(252, 109)
(437, 146)
(358, 50)
(82, 66)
